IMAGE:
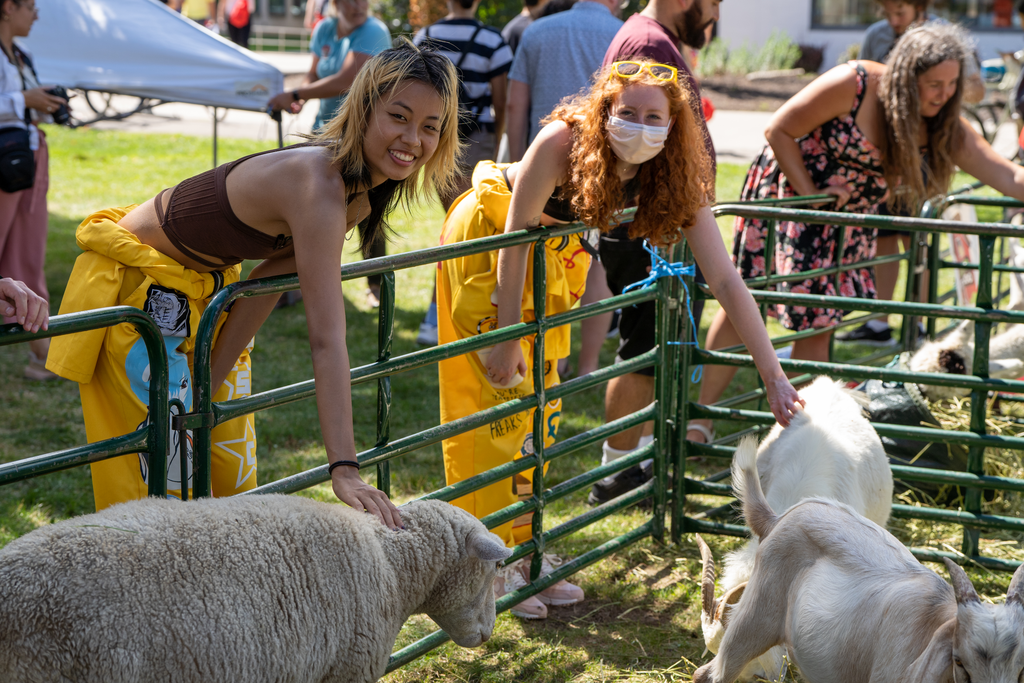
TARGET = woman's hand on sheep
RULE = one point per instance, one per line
(783, 399)
(504, 361)
(353, 491)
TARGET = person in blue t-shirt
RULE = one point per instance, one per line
(340, 45)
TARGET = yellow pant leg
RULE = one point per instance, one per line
(233, 456)
(464, 304)
(109, 413)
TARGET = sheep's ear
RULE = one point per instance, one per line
(486, 546)
(934, 665)
(1015, 593)
(962, 586)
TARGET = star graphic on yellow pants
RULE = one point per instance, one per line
(244, 449)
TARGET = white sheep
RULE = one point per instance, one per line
(852, 605)
(259, 588)
(829, 449)
(954, 354)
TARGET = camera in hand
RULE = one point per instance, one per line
(61, 115)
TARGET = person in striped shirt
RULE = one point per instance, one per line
(483, 60)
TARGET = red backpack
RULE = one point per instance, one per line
(239, 16)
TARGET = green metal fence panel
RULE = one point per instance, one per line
(152, 439)
(665, 293)
(674, 360)
(984, 313)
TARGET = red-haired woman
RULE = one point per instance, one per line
(633, 136)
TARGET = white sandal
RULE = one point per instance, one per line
(708, 434)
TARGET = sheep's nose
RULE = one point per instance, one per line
(484, 636)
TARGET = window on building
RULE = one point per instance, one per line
(977, 15)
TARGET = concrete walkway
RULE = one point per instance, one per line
(738, 135)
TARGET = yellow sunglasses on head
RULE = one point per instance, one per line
(628, 69)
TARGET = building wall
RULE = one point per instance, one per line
(752, 22)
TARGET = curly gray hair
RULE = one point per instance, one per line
(917, 51)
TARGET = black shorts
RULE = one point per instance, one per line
(883, 210)
(626, 262)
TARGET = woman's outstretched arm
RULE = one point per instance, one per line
(829, 96)
(706, 242)
(536, 177)
(319, 234)
(975, 156)
(311, 202)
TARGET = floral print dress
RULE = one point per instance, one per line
(836, 153)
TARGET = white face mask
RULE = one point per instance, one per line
(635, 143)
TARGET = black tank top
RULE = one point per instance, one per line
(560, 208)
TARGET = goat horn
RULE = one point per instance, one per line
(962, 586)
(1014, 592)
(707, 578)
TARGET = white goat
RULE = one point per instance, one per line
(852, 605)
(829, 449)
(260, 588)
(954, 354)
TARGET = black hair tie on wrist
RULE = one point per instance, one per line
(342, 463)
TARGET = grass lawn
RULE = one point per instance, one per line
(641, 619)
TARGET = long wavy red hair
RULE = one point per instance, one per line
(674, 185)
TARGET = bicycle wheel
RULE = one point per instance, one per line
(984, 118)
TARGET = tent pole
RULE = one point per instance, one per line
(280, 134)
(215, 137)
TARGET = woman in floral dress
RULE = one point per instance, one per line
(836, 154)
(857, 131)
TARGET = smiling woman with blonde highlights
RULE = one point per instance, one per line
(394, 139)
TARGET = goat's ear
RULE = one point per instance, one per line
(952, 362)
(730, 598)
(935, 664)
(486, 546)
(962, 586)
(1015, 593)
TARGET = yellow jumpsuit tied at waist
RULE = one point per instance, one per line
(111, 365)
(466, 306)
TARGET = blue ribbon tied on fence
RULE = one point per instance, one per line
(661, 268)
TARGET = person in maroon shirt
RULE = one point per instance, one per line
(658, 33)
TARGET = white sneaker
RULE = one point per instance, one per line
(510, 579)
(427, 335)
(561, 593)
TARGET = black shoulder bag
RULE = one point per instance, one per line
(17, 162)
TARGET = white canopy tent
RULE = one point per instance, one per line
(143, 49)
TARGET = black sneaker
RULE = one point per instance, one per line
(866, 335)
(620, 483)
